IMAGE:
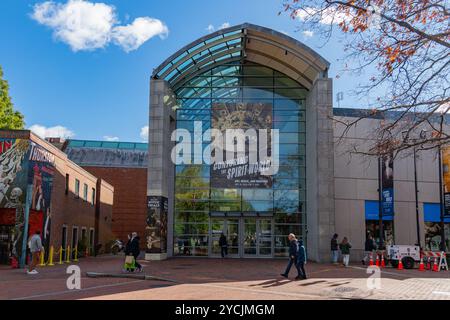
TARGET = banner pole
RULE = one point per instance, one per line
(441, 199)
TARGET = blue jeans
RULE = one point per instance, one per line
(334, 255)
(288, 267)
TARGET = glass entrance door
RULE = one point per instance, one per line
(257, 240)
(230, 228)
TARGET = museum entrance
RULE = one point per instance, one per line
(246, 236)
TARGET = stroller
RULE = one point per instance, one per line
(130, 264)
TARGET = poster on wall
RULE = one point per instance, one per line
(40, 176)
(156, 228)
(446, 179)
(13, 184)
(241, 172)
(387, 178)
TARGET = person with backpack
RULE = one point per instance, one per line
(345, 251)
(301, 260)
(293, 250)
(334, 249)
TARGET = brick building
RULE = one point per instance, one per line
(39, 184)
(124, 165)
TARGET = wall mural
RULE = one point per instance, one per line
(24, 163)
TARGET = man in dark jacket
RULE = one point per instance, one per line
(301, 260)
(293, 250)
(369, 247)
(134, 250)
(223, 243)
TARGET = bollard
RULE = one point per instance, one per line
(60, 255)
(76, 254)
(50, 257)
(42, 262)
(68, 252)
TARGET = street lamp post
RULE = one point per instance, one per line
(416, 193)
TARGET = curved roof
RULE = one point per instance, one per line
(246, 42)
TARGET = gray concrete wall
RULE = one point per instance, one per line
(356, 180)
(319, 170)
(160, 166)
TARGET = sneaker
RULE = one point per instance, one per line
(284, 275)
(32, 272)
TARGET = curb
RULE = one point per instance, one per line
(124, 275)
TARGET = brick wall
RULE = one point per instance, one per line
(130, 194)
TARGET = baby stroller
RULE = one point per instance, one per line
(130, 264)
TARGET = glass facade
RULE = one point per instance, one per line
(256, 221)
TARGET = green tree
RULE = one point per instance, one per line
(9, 119)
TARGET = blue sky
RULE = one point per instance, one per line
(103, 92)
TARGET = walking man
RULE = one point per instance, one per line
(35, 249)
(293, 250)
(301, 260)
(334, 249)
(135, 249)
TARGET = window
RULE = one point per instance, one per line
(67, 184)
(85, 192)
(93, 196)
(74, 241)
(77, 188)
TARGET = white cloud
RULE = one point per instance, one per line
(326, 16)
(308, 33)
(144, 133)
(110, 138)
(52, 132)
(225, 25)
(132, 36)
(85, 25)
(210, 28)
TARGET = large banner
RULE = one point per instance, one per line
(243, 171)
(387, 176)
(156, 229)
(446, 177)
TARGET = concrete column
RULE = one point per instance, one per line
(160, 176)
(320, 170)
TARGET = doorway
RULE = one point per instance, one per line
(248, 237)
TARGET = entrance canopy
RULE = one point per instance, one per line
(245, 42)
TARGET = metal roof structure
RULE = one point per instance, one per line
(245, 42)
(107, 153)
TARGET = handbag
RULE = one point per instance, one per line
(129, 260)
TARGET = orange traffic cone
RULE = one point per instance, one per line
(435, 265)
(421, 266)
(371, 260)
(400, 264)
(377, 262)
(382, 261)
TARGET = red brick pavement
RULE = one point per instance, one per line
(203, 278)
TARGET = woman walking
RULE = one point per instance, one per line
(345, 251)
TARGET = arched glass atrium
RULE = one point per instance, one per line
(256, 220)
(241, 77)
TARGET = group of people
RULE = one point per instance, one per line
(297, 257)
(344, 247)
